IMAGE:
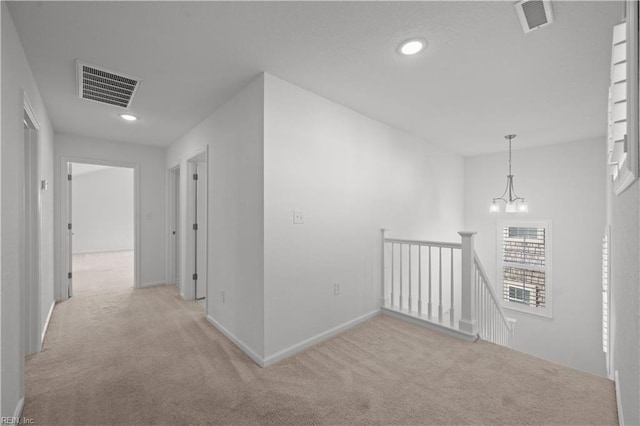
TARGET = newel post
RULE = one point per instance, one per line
(384, 235)
(468, 321)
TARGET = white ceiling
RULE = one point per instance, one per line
(480, 78)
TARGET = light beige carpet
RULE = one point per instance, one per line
(96, 273)
(147, 357)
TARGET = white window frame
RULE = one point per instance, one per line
(547, 310)
(623, 146)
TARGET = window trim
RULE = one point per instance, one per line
(547, 311)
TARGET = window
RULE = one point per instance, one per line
(622, 134)
(524, 263)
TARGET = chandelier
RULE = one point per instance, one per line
(513, 203)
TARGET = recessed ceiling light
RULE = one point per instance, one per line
(412, 46)
(128, 117)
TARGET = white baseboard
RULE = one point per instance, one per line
(46, 324)
(18, 412)
(102, 251)
(430, 325)
(239, 343)
(155, 284)
(618, 398)
(285, 353)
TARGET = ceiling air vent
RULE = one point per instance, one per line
(105, 86)
(534, 14)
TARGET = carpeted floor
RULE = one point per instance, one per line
(96, 273)
(147, 357)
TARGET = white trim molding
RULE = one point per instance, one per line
(62, 197)
(30, 111)
(459, 334)
(17, 414)
(616, 381)
(153, 284)
(239, 343)
(46, 324)
(32, 230)
(291, 350)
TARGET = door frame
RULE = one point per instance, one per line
(173, 225)
(188, 284)
(32, 229)
(64, 218)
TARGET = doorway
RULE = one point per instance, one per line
(32, 309)
(101, 228)
(174, 246)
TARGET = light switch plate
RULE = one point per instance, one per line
(298, 217)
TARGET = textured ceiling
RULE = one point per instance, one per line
(480, 78)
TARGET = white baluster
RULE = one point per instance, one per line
(410, 281)
(451, 312)
(420, 280)
(382, 274)
(401, 276)
(476, 283)
(429, 308)
(393, 273)
(439, 284)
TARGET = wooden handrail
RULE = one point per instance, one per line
(424, 243)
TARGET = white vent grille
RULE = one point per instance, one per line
(105, 86)
(534, 14)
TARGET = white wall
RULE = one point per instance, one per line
(16, 77)
(233, 135)
(103, 210)
(351, 175)
(152, 186)
(625, 294)
(562, 183)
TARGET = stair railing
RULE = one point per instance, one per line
(493, 325)
(413, 268)
(423, 277)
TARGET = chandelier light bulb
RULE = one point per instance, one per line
(494, 207)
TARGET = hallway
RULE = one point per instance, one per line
(147, 357)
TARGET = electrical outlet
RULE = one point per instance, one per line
(222, 296)
(336, 289)
(298, 217)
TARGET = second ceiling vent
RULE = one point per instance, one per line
(105, 86)
(534, 14)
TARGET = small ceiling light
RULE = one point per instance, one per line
(128, 117)
(413, 46)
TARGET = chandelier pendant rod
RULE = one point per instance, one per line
(509, 196)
